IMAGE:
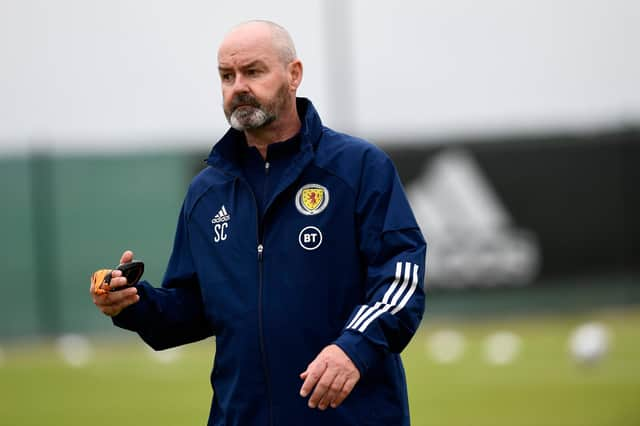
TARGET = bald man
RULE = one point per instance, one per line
(296, 247)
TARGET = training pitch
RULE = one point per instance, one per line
(118, 381)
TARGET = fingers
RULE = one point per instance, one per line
(117, 280)
(332, 376)
(319, 396)
(118, 307)
(126, 257)
(344, 392)
(112, 303)
(332, 391)
(312, 375)
(104, 280)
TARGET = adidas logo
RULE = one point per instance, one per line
(473, 240)
(221, 216)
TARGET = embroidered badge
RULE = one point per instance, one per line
(312, 199)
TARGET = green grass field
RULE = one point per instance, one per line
(542, 386)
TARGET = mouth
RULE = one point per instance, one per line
(243, 109)
(244, 101)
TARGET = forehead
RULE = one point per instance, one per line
(246, 44)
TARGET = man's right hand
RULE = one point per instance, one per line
(113, 302)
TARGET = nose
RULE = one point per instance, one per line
(240, 85)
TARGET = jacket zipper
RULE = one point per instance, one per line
(263, 351)
(260, 250)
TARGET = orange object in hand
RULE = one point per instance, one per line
(101, 279)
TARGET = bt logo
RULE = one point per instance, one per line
(310, 238)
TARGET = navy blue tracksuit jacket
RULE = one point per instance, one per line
(330, 252)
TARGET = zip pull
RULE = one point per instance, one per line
(260, 250)
(267, 165)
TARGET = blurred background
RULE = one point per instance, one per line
(515, 127)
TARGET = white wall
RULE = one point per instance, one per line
(113, 74)
(464, 66)
(107, 73)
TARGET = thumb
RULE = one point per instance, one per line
(126, 257)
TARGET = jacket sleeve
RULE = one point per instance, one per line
(394, 251)
(173, 314)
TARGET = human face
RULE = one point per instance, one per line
(255, 84)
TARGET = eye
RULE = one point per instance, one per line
(226, 77)
(253, 72)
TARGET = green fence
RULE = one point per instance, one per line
(64, 216)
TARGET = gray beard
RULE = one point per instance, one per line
(248, 118)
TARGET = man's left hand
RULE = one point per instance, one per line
(333, 375)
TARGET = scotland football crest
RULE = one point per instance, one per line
(312, 199)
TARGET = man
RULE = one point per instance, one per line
(296, 247)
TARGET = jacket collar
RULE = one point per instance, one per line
(225, 153)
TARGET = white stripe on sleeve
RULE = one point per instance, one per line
(366, 314)
(387, 307)
(362, 315)
(407, 296)
(362, 308)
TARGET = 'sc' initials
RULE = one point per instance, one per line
(219, 230)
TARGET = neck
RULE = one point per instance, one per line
(280, 130)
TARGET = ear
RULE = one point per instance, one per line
(294, 71)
